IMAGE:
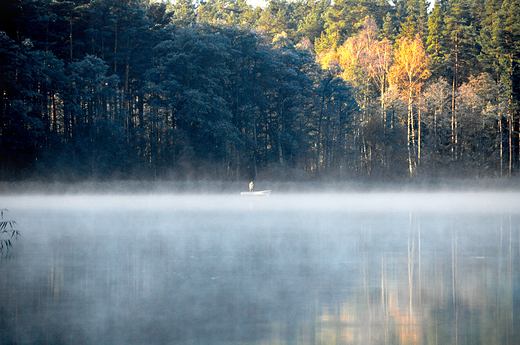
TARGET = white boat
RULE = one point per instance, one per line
(258, 193)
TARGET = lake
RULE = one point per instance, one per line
(337, 268)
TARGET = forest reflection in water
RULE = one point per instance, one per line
(288, 269)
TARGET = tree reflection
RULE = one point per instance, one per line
(458, 299)
(406, 278)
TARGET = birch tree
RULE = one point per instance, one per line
(408, 73)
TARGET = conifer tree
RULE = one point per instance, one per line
(410, 27)
(508, 33)
(312, 24)
(184, 12)
(490, 36)
(389, 28)
(461, 55)
(345, 17)
(435, 42)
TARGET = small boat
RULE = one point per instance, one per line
(258, 193)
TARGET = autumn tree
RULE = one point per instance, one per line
(151, 89)
(408, 73)
(482, 105)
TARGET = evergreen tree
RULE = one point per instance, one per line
(490, 36)
(189, 81)
(146, 89)
(184, 12)
(435, 42)
(410, 28)
(344, 18)
(278, 18)
(389, 28)
(508, 54)
(312, 24)
(461, 56)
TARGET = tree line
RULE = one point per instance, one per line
(116, 89)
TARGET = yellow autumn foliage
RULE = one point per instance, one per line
(410, 68)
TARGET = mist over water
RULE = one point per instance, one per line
(335, 268)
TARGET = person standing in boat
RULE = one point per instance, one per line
(251, 186)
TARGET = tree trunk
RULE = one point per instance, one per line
(454, 126)
(501, 148)
(510, 142)
(409, 135)
(419, 134)
(320, 119)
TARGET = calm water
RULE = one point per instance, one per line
(417, 268)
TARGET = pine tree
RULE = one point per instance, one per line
(461, 55)
(184, 12)
(489, 36)
(312, 24)
(435, 42)
(509, 59)
(410, 28)
(345, 17)
(389, 28)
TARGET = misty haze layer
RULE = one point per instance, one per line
(361, 268)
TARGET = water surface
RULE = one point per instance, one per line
(356, 268)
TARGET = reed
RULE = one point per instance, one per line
(7, 233)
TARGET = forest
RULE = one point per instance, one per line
(296, 90)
